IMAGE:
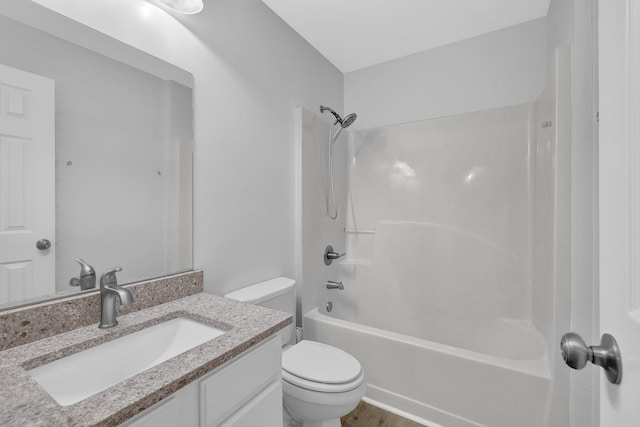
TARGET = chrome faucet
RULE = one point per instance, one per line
(110, 293)
(335, 285)
(87, 279)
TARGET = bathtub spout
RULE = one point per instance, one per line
(335, 285)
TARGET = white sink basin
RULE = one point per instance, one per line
(76, 377)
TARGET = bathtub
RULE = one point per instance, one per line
(447, 385)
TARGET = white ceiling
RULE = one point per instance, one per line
(354, 34)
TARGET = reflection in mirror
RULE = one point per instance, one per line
(95, 164)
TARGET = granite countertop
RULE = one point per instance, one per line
(24, 402)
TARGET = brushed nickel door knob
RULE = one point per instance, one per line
(576, 354)
(43, 244)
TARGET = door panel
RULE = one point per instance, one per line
(27, 184)
(16, 184)
(17, 280)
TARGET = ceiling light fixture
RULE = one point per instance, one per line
(188, 7)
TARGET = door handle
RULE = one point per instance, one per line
(43, 244)
(576, 354)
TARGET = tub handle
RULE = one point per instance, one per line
(330, 255)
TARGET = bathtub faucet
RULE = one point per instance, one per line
(330, 255)
(335, 285)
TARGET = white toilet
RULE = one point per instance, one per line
(320, 383)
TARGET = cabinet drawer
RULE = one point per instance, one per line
(264, 410)
(165, 414)
(179, 409)
(234, 384)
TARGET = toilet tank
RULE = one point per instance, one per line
(277, 294)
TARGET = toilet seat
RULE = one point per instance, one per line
(322, 387)
(319, 367)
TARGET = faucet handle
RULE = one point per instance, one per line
(109, 277)
(330, 255)
(85, 268)
(87, 278)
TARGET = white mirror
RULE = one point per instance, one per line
(96, 145)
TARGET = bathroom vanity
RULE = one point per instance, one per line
(247, 391)
(233, 379)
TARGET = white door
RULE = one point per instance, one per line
(27, 185)
(619, 193)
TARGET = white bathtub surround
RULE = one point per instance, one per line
(551, 224)
(444, 204)
(314, 229)
(443, 285)
(187, 7)
(456, 282)
(467, 172)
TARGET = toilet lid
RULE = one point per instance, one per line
(321, 363)
(321, 387)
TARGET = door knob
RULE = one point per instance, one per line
(576, 354)
(43, 244)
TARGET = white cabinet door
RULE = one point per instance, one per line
(226, 390)
(27, 184)
(619, 193)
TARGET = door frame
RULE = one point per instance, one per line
(584, 394)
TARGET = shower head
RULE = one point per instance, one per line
(344, 123)
(347, 121)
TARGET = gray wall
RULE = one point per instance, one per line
(502, 68)
(250, 72)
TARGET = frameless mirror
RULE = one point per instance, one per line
(96, 146)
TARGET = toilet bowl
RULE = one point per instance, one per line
(320, 383)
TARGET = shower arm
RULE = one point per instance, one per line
(336, 115)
